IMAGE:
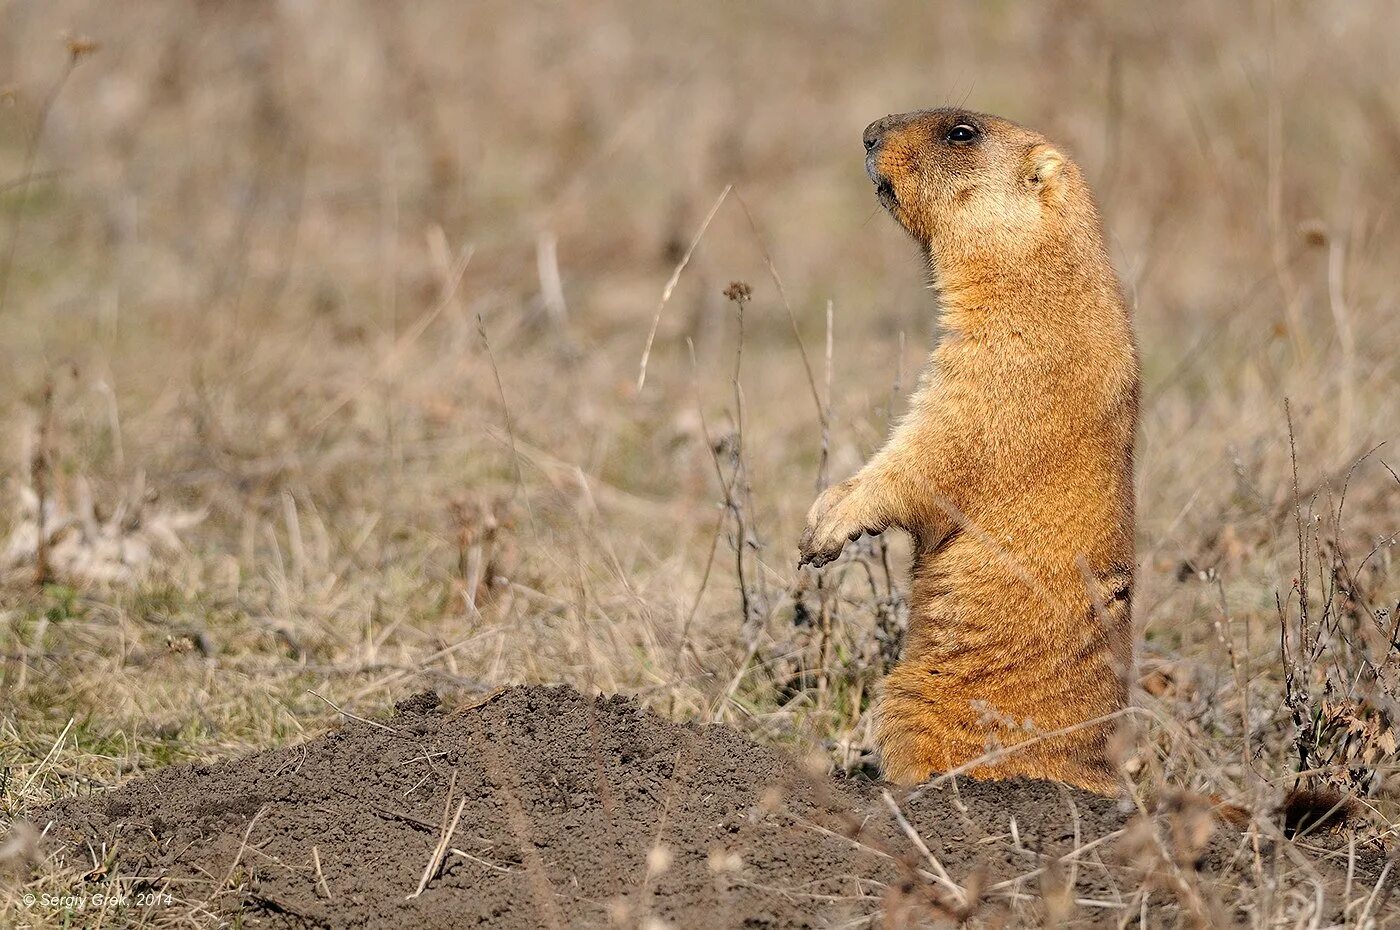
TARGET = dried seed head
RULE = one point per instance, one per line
(738, 291)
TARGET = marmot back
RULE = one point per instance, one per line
(1013, 468)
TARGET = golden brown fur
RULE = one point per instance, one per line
(1013, 468)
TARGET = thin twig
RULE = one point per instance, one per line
(320, 875)
(505, 408)
(787, 305)
(823, 461)
(719, 521)
(242, 846)
(941, 874)
(48, 758)
(673, 280)
(31, 152)
(345, 713)
(41, 474)
(1375, 892)
(449, 827)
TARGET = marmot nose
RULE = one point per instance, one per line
(875, 133)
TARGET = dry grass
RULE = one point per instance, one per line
(343, 306)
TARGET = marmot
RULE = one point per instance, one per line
(1013, 468)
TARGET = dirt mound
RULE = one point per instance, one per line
(551, 809)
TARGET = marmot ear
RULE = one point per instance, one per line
(1043, 164)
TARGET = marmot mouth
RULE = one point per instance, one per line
(884, 190)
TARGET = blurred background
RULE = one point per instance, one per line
(322, 327)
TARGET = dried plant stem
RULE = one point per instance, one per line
(27, 175)
(41, 472)
(792, 317)
(1346, 336)
(824, 460)
(740, 530)
(1283, 270)
(942, 876)
(238, 856)
(505, 408)
(345, 713)
(320, 875)
(1296, 678)
(824, 594)
(673, 280)
(449, 827)
(719, 520)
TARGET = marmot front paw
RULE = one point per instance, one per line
(840, 515)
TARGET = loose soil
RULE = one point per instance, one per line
(553, 809)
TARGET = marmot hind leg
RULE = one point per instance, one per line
(922, 731)
(916, 736)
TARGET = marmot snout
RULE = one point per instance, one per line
(1013, 468)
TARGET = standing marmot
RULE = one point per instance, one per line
(1012, 470)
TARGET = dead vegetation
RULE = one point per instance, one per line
(368, 292)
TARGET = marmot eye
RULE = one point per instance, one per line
(961, 133)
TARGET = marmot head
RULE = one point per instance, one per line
(967, 185)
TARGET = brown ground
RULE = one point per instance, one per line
(579, 812)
